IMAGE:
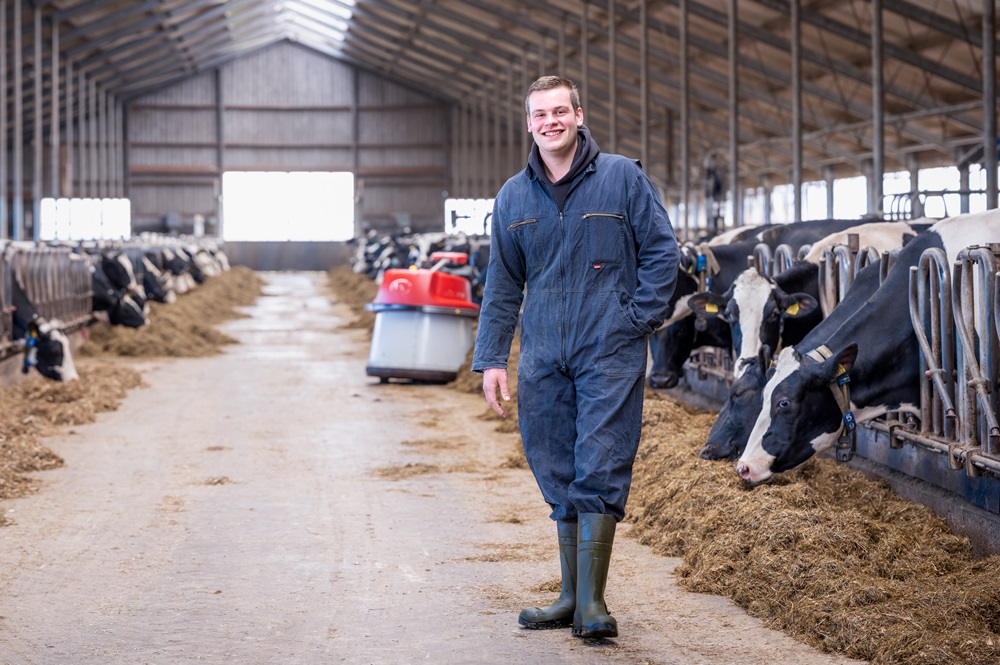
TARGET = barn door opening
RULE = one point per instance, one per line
(282, 205)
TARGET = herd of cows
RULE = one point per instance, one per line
(807, 368)
(48, 291)
(801, 380)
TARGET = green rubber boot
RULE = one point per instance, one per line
(591, 618)
(560, 613)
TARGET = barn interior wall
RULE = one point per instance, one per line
(287, 108)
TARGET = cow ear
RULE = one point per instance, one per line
(764, 355)
(798, 305)
(847, 357)
(706, 304)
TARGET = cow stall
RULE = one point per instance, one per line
(44, 291)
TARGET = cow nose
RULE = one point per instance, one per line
(744, 471)
(715, 451)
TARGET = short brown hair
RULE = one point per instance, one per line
(550, 82)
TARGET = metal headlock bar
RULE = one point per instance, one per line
(838, 267)
(931, 316)
(975, 270)
(55, 280)
(784, 257)
(761, 259)
(955, 313)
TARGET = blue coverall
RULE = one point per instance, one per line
(599, 273)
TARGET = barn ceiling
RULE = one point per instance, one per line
(483, 53)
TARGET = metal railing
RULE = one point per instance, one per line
(769, 263)
(955, 313)
(56, 281)
(838, 267)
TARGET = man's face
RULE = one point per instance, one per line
(552, 122)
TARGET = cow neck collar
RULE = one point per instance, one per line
(840, 387)
(707, 266)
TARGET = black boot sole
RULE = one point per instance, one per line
(596, 630)
(545, 625)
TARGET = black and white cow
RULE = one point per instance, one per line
(155, 283)
(46, 347)
(731, 429)
(780, 311)
(671, 345)
(731, 260)
(115, 290)
(875, 347)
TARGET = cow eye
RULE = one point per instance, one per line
(782, 404)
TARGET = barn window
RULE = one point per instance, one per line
(297, 205)
(469, 216)
(85, 219)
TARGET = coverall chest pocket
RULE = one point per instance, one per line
(529, 239)
(605, 237)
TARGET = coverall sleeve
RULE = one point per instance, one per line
(657, 255)
(502, 295)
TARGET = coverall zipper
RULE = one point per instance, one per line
(565, 312)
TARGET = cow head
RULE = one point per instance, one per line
(672, 346)
(46, 347)
(756, 309)
(118, 268)
(154, 282)
(799, 414)
(731, 429)
(51, 354)
(123, 308)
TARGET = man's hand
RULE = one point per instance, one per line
(492, 379)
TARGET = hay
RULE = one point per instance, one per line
(824, 554)
(354, 290)
(39, 407)
(184, 328)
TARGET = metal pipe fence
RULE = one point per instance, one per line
(56, 281)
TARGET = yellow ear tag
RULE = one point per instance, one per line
(711, 307)
(793, 309)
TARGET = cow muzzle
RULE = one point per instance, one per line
(752, 473)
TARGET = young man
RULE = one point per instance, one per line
(583, 237)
